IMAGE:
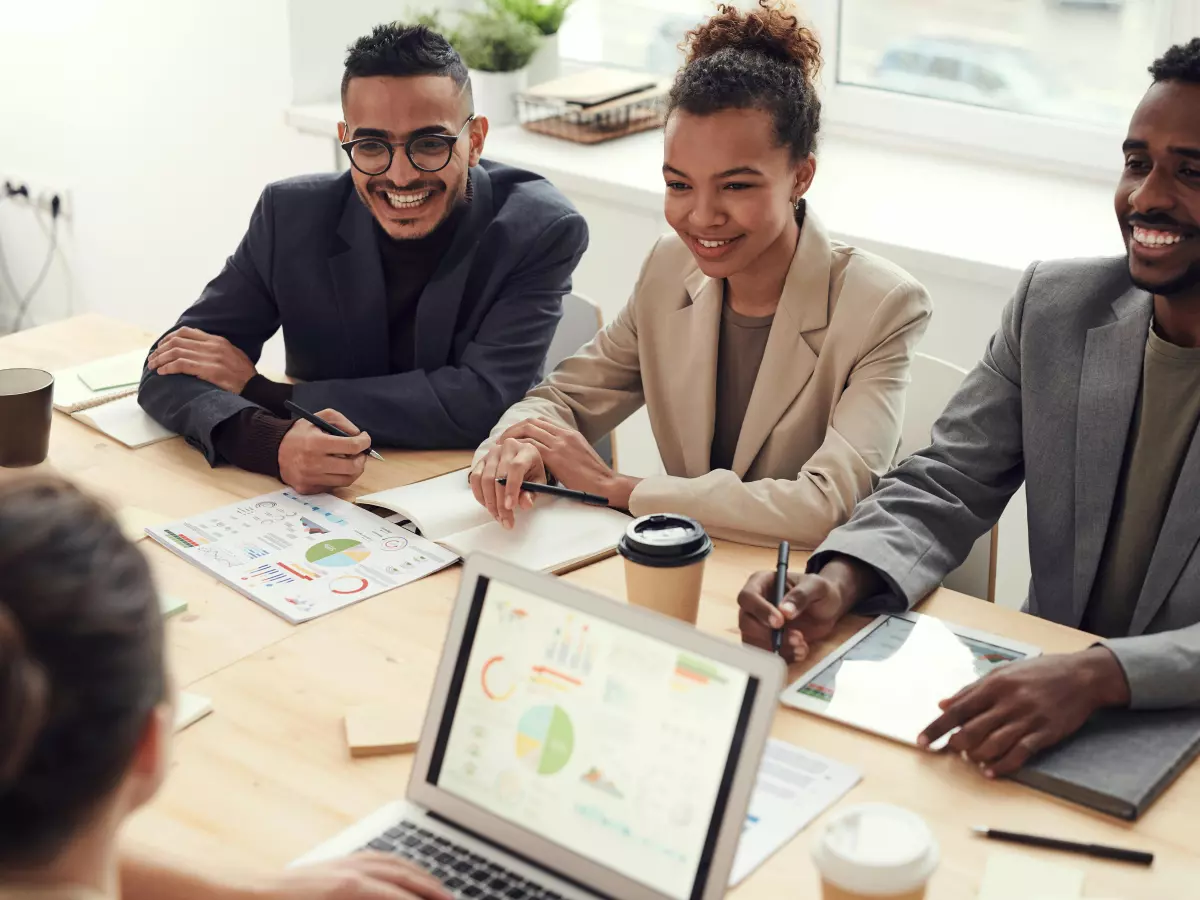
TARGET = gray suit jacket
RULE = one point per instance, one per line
(1051, 405)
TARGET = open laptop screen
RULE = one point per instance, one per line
(615, 745)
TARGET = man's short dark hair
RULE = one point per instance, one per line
(398, 50)
(1180, 63)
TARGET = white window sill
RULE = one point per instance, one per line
(963, 218)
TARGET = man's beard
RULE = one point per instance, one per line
(1187, 283)
(457, 194)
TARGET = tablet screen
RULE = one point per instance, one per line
(884, 641)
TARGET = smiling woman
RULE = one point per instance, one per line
(772, 360)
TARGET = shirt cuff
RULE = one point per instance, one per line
(250, 440)
(268, 394)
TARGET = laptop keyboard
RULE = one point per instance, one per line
(464, 874)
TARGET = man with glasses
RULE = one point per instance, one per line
(418, 292)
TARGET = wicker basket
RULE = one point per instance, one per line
(587, 122)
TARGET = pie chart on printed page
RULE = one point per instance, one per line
(337, 552)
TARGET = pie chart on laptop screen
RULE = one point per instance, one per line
(337, 552)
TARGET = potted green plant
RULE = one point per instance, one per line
(547, 16)
(497, 48)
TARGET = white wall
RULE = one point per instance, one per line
(321, 30)
(165, 121)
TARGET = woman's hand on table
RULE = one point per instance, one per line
(365, 876)
(516, 462)
(574, 462)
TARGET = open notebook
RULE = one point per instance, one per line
(555, 536)
(103, 395)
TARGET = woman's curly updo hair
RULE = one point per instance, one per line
(761, 59)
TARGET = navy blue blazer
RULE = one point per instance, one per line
(309, 263)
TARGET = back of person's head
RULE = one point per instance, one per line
(1180, 63)
(81, 667)
(761, 59)
(398, 50)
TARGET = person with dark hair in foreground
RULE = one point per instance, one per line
(1089, 394)
(86, 718)
(772, 361)
(418, 292)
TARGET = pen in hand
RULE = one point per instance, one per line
(554, 490)
(781, 570)
(324, 426)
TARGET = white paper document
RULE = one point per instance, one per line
(794, 786)
(302, 556)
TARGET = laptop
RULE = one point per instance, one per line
(576, 748)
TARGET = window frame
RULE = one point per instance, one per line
(992, 135)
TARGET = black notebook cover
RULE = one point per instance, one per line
(1120, 761)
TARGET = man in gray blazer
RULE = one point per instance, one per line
(1089, 394)
(418, 292)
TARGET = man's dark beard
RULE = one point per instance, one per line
(460, 199)
(1187, 283)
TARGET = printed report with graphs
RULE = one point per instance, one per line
(602, 739)
(302, 556)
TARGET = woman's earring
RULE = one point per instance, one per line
(797, 203)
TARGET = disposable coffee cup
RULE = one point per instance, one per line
(664, 564)
(26, 405)
(875, 851)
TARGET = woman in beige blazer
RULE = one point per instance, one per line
(86, 718)
(773, 361)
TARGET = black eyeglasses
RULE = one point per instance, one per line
(427, 152)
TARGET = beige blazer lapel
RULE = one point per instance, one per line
(788, 360)
(696, 331)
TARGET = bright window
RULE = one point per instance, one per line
(1049, 82)
(1068, 60)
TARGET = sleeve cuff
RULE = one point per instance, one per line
(250, 440)
(268, 394)
(889, 601)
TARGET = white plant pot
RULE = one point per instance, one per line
(495, 94)
(544, 66)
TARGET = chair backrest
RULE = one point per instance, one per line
(934, 382)
(580, 321)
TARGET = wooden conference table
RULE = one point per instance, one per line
(267, 776)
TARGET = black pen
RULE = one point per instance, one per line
(553, 490)
(781, 569)
(324, 426)
(1100, 851)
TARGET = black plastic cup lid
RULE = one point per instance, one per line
(665, 540)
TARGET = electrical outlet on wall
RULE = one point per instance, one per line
(39, 194)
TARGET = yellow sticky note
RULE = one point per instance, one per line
(1010, 875)
(383, 729)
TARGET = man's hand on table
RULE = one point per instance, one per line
(811, 608)
(209, 357)
(1024, 707)
(311, 461)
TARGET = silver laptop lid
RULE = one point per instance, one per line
(612, 746)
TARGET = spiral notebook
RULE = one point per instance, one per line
(557, 535)
(103, 395)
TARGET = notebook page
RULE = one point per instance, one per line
(439, 507)
(126, 422)
(550, 537)
(124, 370)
